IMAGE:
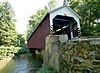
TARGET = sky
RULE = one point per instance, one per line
(23, 9)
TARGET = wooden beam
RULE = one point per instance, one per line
(61, 19)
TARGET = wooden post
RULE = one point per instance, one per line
(71, 32)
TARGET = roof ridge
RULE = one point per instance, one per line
(68, 8)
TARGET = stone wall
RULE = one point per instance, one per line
(75, 56)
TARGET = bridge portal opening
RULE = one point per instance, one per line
(65, 25)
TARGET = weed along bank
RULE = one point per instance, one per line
(62, 20)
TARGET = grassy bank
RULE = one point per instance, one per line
(7, 65)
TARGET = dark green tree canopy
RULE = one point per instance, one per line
(89, 10)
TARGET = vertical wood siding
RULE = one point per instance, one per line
(37, 40)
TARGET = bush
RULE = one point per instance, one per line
(8, 51)
(46, 70)
(23, 50)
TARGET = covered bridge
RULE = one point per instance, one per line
(62, 20)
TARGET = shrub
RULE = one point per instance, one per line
(8, 51)
(46, 70)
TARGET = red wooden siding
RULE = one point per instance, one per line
(37, 40)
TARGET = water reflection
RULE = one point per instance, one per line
(22, 64)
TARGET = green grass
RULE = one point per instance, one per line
(46, 70)
(7, 66)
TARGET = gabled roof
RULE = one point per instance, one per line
(68, 8)
(52, 12)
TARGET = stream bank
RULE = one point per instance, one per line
(24, 63)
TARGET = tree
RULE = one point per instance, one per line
(52, 4)
(8, 34)
(35, 19)
(89, 11)
(22, 40)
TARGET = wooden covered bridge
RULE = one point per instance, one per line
(62, 20)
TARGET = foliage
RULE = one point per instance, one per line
(89, 11)
(24, 36)
(23, 50)
(8, 51)
(52, 4)
(35, 19)
(46, 70)
(22, 40)
(8, 34)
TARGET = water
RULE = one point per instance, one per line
(22, 64)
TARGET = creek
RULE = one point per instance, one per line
(24, 63)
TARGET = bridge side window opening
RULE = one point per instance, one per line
(75, 29)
